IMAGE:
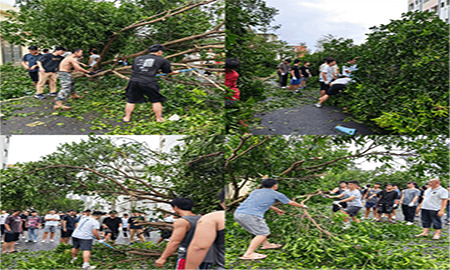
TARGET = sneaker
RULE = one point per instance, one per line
(346, 226)
(51, 241)
(89, 267)
(39, 96)
(393, 222)
(73, 260)
(409, 223)
(318, 105)
(53, 94)
(34, 241)
(296, 91)
(43, 241)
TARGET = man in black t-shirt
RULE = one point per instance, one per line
(111, 226)
(295, 73)
(68, 224)
(134, 228)
(48, 65)
(388, 200)
(143, 85)
(306, 72)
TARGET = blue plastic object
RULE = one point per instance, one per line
(103, 243)
(348, 131)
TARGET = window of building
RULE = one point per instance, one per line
(11, 53)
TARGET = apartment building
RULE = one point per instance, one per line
(441, 7)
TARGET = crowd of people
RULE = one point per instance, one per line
(46, 68)
(206, 242)
(332, 80)
(350, 198)
(430, 201)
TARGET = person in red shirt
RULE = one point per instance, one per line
(231, 77)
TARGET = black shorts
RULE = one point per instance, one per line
(34, 76)
(385, 208)
(137, 92)
(2, 229)
(324, 86)
(66, 234)
(335, 89)
(82, 244)
(112, 233)
(337, 208)
(11, 237)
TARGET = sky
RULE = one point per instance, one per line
(25, 148)
(308, 20)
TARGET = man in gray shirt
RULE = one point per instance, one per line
(433, 205)
(409, 202)
(283, 72)
(352, 196)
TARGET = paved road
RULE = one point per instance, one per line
(307, 120)
(22, 245)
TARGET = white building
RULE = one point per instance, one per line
(441, 7)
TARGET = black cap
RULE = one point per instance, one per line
(32, 48)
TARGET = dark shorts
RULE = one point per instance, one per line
(335, 89)
(113, 234)
(324, 86)
(34, 76)
(371, 205)
(66, 234)
(352, 210)
(337, 208)
(82, 244)
(295, 82)
(2, 228)
(11, 237)
(137, 92)
(385, 208)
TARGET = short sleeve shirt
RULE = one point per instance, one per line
(70, 222)
(33, 222)
(50, 62)
(32, 60)
(260, 200)
(324, 68)
(146, 67)
(132, 222)
(52, 222)
(371, 193)
(85, 227)
(433, 198)
(388, 197)
(94, 58)
(296, 70)
(112, 223)
(304, 71)
(15, 223)
(353, 193)
(409, 195)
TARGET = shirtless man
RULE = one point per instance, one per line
(210, 231)
(67, 82)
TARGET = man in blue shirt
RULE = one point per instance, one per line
(250, 215)
(29, 62)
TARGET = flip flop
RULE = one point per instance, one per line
(436, 237)
(275, 247)
(126, 121)
(420, 235)
(258, 257)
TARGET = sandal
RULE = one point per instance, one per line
(274, 246)
(257, 257)
(436, 237)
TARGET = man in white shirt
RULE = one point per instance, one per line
(82, 238)
(334, 88)
(51, 225)
(432, 208)
(3, 217)
(326, 75)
